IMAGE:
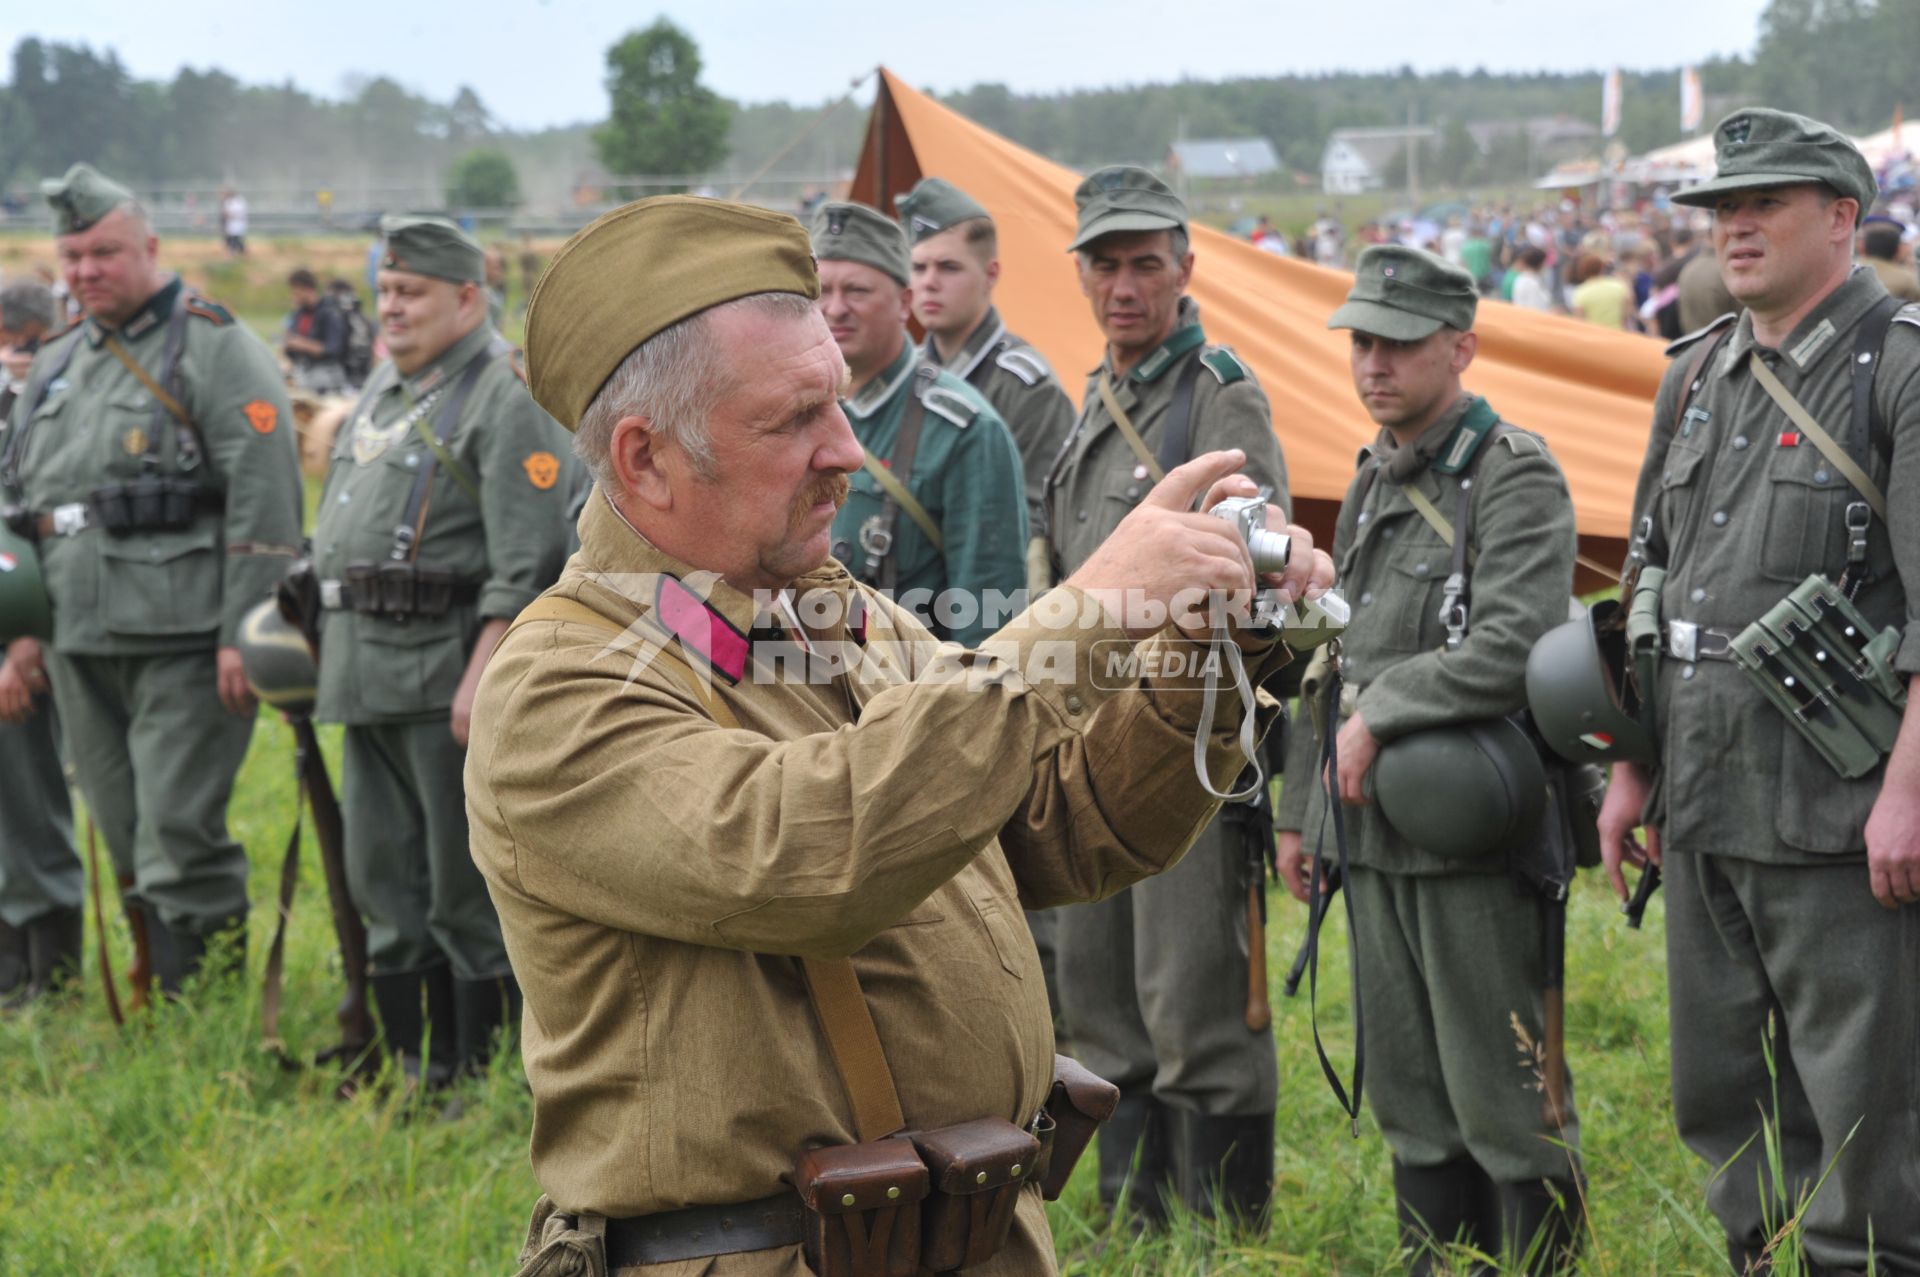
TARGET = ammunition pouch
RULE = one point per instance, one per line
(863, 1208)
(977, 1169)
(1076, 1106)
(150, 503)
(1645, 639)
(398, 590)
(1817, 659)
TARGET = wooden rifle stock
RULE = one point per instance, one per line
(1259, 1008)
(353, 1014)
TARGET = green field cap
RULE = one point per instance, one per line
(935, 205)
(425, 245)
(856, 233)
(1123, 197)
(81, 198)
(1404, 294)
(1759, 147)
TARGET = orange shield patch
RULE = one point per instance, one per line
(262, 416)
(543, 469)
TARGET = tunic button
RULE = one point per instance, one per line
(1362, 518)
(1719, 518)
(413, 461)
(1074, 705)
(1081, 516)
(1133, 492)
(1366, 598)
(1820, 476)
(1388, 534)
(1687, 672)
(1419, 569)
(1739, 443)
(1699, 594)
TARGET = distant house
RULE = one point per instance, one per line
(1356, 160)
(1217, 158)
(1551, 139)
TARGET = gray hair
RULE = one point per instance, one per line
(674, 378)
(1178, 243)
(26, 305)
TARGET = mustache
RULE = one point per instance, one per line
(834, 488)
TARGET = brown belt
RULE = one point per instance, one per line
(700, 1231)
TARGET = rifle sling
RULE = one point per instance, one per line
(1127, 429)
(832, 983)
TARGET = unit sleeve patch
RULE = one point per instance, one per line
(262, 416)
(543, 469)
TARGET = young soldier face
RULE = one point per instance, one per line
(1135, 284)
(952, 285)
(866, 312)
(421, 316)
(111, 268)
(1406, 384)
(1775, 244)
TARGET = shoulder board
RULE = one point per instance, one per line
(73, 327)
(1679, 344)
(949, 404)
(1908, 314)
(1025, 363)
(1523, 443)
(1224, 365)
(216, 314)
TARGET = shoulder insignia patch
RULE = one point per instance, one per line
(211, 311)
(1524, 443)
(1025, 363)
(543, 469)
(262, 416)
(1679, 344)
(1908, 314)
(1224, 365)
(950, 405)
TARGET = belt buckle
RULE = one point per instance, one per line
(330, 595)
(875, 539)
(70, 519)
(1683, 640)
(1713, 644)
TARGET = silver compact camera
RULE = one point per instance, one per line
(1304, 624)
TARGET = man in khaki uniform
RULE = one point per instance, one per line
(1449, 956)
(956, 265)
(1793, 893)
(708, 752)
(1153, 981)
(153, 455)
(443, 515)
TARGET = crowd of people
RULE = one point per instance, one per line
(724, 677)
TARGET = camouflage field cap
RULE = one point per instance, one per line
(1122, 197)
(81, 198)
(934, 205)
(641, 269)
(1759, 147)
(856, 233)
(1404, 294)
(425, 245)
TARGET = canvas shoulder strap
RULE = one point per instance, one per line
(832, 983)
(1127, 429)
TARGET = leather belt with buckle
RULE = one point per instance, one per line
(68, 520)
(1687, 641)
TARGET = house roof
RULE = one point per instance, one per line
(1225, 157)
(1377, 147)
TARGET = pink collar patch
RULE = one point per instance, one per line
(701, 630)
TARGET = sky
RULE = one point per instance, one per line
(539, 63)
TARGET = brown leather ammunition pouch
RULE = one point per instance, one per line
(1078, 1103)
(978, 1168)
(863, 1208)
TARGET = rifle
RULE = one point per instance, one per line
(140, 974)
(1546, 865)
(1254, 820)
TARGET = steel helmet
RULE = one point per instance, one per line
(279, 665)
(1575, 690)
(25, 609)
(1464, 791)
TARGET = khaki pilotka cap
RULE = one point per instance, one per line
(426, 245)
(1404, 294)
(934, 205)
(1759, 147)
(1123, 197)
(81, 198)
(856, 233)
(641, 269)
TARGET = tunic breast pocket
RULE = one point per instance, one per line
(1804, 509)
(161, 584)
(1678, 488)
(1414, 591)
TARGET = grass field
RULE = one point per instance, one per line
(179, 1146)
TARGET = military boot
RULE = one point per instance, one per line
(1541, 1222)
(13, 958)
(397, 1000)
(442, 1029)
(1224, 1163)
(1133, 1159)
(52, 956)
(180, 952)
(1748, 1259)
(484, 1007)
(1438, 1206)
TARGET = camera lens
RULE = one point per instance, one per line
(1268, 548)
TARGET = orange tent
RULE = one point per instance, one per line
(1588, 391)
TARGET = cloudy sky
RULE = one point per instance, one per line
(539, 62)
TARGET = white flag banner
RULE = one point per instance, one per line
(1693, 103)
(1610, 104)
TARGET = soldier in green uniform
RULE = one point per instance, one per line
(1791, 891)
(153, 455)
(442, 516)
(40, 880)
(955, 258)
(1448, 955)
(937, 514)
(1153, 981)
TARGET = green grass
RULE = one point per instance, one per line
(178, 1146)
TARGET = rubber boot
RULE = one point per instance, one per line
(52, 955)
(13, 958)
(484, 1007)
(1541, 1225)
(1133, 1159)
(1224, 1163)
(1438, 1206)
(397, 1001)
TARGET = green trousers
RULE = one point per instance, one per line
(39, 870)
(1448, 964)
(1809, 953)
(156, 755)
(1153, 986)
(405, 810)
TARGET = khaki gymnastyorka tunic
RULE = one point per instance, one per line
(657, 875)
